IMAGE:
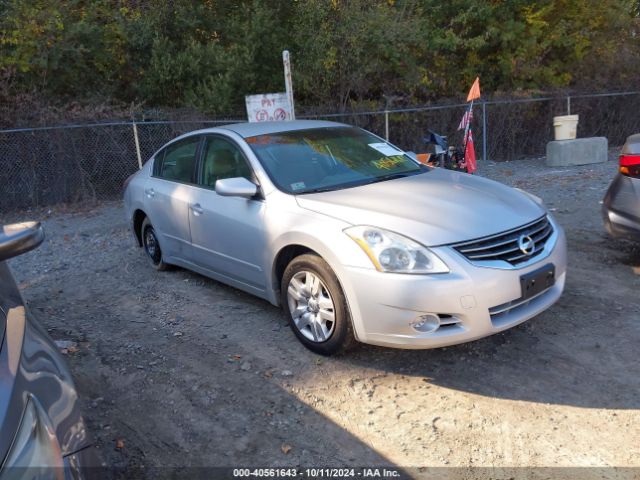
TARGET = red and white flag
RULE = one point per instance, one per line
(466, 119)
(469, 152)
(465, 124)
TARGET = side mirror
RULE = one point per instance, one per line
(19, 238)
(236, 187)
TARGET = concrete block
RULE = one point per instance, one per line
(581, 151)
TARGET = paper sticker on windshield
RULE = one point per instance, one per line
(388, 163)
(297, 186)
(386, 149)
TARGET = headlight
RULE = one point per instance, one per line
(35, 446)
(391, 252)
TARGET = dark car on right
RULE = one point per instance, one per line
(621, 204)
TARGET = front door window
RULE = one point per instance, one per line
(222, 160)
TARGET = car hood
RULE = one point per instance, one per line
(435, 208)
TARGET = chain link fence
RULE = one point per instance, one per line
(76, 163)
(505, 129)
(71, 164)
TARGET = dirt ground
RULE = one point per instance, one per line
(178, 370)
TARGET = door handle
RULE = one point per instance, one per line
(150, 192)
(197, 209)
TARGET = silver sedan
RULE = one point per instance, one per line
(349, 234)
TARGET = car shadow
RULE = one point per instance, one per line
(581, 352)
(630, 255)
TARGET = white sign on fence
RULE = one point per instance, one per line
(268, 107)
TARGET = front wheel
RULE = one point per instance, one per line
(315, 306)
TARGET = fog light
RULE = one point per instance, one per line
(427, 323)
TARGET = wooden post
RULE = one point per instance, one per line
(288, 82)
(137, 141)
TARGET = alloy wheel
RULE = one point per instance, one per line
(311, 306)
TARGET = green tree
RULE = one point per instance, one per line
(352, 51)
(209, 54)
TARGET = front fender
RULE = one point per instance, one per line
(326, 238)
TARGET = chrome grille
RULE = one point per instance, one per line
(506, 313)
(508, 307)
(505, 247)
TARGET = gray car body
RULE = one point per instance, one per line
(621, 204)
(31, 365)
(247, 243)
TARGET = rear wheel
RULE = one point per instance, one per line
(315, 306)
(152, 246)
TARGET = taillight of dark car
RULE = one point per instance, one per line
(630, 165)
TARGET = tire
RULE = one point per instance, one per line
(151, 246)
(315, 306)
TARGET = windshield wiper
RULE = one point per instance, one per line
(331, 188)
(392, 176)
(318, 190)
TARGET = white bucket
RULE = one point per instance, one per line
(565, 127)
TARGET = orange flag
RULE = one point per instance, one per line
(474, 93)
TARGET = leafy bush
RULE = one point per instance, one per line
(208, 55)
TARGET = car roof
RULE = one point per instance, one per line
(251, 129)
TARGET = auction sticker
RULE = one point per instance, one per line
(386, 149)
(387, 163)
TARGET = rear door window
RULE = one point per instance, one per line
(177, 162)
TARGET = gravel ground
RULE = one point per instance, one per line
(178, 370)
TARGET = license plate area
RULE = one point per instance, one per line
(537, 281)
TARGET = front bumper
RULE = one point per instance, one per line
(474, 301)
(84, 465)
(620, 225)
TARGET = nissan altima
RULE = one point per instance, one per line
(350, 235)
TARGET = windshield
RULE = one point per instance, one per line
(323, 159)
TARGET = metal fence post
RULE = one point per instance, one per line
(386, 125)
(484, 131)
(568, 105)
(137, 141)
